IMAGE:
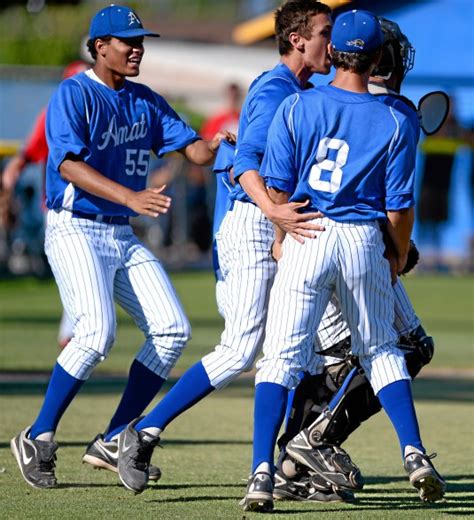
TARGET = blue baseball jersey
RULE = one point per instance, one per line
(402, 106)
(352, 156)
(222, 166)
(264, 97)
(113, 132)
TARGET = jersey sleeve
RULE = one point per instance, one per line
(400, 176)
(278, 166)
(251, 148)
(67, 124)
(171, 132)
(36, 147)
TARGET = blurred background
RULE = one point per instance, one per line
(208, 53)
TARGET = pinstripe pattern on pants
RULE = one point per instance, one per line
(244, 240)
(406, 319)
(93, 263)
(346, 258)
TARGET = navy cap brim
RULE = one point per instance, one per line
(133, 33)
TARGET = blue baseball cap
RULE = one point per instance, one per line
(356, 31)
(118, 21)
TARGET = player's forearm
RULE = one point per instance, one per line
(89, 179)
(200, 153)
(278, 197)
(254, 186)
(399, 228)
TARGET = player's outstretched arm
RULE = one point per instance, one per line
(399, 228)
(280, 212)
(150, 202)
(202, 152)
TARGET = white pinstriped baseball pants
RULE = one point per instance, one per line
(93, 264)
(346, 258)
(244, 240)
(334, 329)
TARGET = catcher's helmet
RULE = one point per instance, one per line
(398, 54)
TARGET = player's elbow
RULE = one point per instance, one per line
(68, 168)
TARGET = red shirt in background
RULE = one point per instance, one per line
(36, 147)
(224, 120)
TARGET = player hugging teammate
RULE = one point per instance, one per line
(363, 184)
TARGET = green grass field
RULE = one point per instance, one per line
(208, 450)
(30, 311)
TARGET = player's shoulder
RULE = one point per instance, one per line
(79, 81)
(399, 114)
(278, 82)
(312, 96)
(404, 106)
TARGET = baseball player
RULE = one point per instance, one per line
(312, 396)
(100, 129)
(36, 151)
(354, 158)
(244, 238)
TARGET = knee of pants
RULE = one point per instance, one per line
(384, 368)
(224, 364)
(174, 335)
(79, 361)
(97, 333)
(244, 364)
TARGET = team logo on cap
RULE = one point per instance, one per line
(133, 18)
(358, 43)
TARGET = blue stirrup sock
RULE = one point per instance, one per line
(142, 387)
(397, 401)
(62, 389)
(192, 386)
(269, 410)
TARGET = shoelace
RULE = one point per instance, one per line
(144, 453)
(47, 466)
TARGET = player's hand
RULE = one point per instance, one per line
(296, 224)
(150, 202)
(393, 263)
(402, 262)
(391, 255)
(220, 136)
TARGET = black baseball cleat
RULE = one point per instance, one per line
(423, 476)
(135, 451)
(36, 460)
(302, 488)
(331, 463)
(259, 494)
(102, 454)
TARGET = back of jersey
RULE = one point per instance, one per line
(350, 154)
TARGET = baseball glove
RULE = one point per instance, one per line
(413, 257)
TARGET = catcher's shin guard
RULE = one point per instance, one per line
(357, 403)
(353, 403)
(335, 424)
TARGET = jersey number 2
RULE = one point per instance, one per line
(136, 161)
(325, 164)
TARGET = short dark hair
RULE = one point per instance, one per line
(354, 61)
(295, 16)
(91, 45)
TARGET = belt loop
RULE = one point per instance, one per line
(99, 218)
